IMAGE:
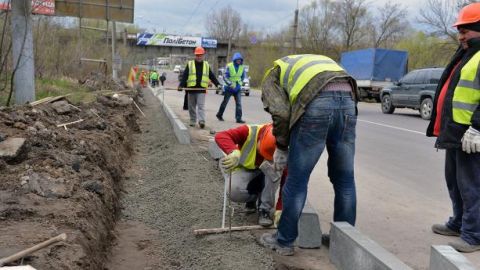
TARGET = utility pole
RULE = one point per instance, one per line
(295, 27)
(22, 45)
(115, 59)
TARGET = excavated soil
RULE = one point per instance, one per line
(170, 190)
(64, 180)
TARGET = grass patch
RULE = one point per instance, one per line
(63, 86)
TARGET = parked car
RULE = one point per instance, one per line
(416, 90)
(245, 84)
(177, 68)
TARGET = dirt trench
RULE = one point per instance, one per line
(64, 180)
(170, 190)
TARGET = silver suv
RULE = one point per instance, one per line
(416, 90)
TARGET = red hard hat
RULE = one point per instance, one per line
(267, 143)
(468, 14)
(199, 50)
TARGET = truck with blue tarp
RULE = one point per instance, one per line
(374, 68)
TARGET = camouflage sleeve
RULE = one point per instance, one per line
(275, 101)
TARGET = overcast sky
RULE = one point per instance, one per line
(188, 16)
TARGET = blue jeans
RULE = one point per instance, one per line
(462, 172)
(329, 120)
(238, 104)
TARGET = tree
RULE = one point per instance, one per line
(389, 25)
(440, 15)
(352, 18)
(225, 24)
(317, 26)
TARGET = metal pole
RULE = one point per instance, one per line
(23, 58)
(295, 26)
(114, 41)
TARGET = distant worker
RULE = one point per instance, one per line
(197, 75)
(154, 78)
(456, 124)
(143, 78)
(248, 147)
(163, 78)
(312, 103)
(234, 75)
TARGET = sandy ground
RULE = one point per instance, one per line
(172, 189)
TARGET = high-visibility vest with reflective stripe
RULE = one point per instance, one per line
(235, 76)
(192, 74)
(297, 70)
(466, 96)
(248, 153)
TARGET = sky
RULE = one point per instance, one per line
(183, 17)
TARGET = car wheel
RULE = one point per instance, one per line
(216, 92)
(426, 108)
(247, 94)
(387, 106)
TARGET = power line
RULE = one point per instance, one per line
(191, 15)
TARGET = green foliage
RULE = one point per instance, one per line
(63, 86)
(426, 51)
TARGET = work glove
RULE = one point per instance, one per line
(471, 141)
(231, 161)
(280, 159)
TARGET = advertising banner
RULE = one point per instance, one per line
(209, 43)
(42, 7)
(148, 39)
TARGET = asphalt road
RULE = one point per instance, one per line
(401, 189)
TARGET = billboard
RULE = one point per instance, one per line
(209, 43)
(42, 7)
(111, 10)
(148, 39)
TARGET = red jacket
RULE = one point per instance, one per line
(233, 139)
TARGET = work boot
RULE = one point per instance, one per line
(240, 121)
(462, 246)
(269, 240)
(220, 118)
(264, 218)
(444, 230)
(201, 124)
(192, 123)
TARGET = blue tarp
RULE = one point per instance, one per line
(375, 64)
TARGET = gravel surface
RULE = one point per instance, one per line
(174, 189)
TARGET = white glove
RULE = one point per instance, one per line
(471, 141)
(280, 159)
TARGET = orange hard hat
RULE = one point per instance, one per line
(267, 143)
(468, 14)
(199, 50)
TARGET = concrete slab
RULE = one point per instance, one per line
(309, 230)
(214, 151)
(447, 258)
(11, 148)
(351, 250)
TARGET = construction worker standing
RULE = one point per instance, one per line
(197, 75)
(456, 124)
(154, 78)
(233, 78)
(312, 103)
(250, 151)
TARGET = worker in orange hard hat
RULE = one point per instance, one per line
(196, 76)
(456, 124)
(249, 150)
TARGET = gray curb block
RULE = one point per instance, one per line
(180, 130)
(447, 258)
(309, 230)
(351, 250)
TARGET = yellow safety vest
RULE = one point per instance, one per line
(192, 74)
(248, 153)
(466, 96)
(235, 76)
(297, 70)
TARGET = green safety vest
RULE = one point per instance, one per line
(297, 70)
(466, 96)
(154, 76)
(192, 74)
(235, 76)
(248, 153)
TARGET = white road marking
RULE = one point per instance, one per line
(393, 127)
